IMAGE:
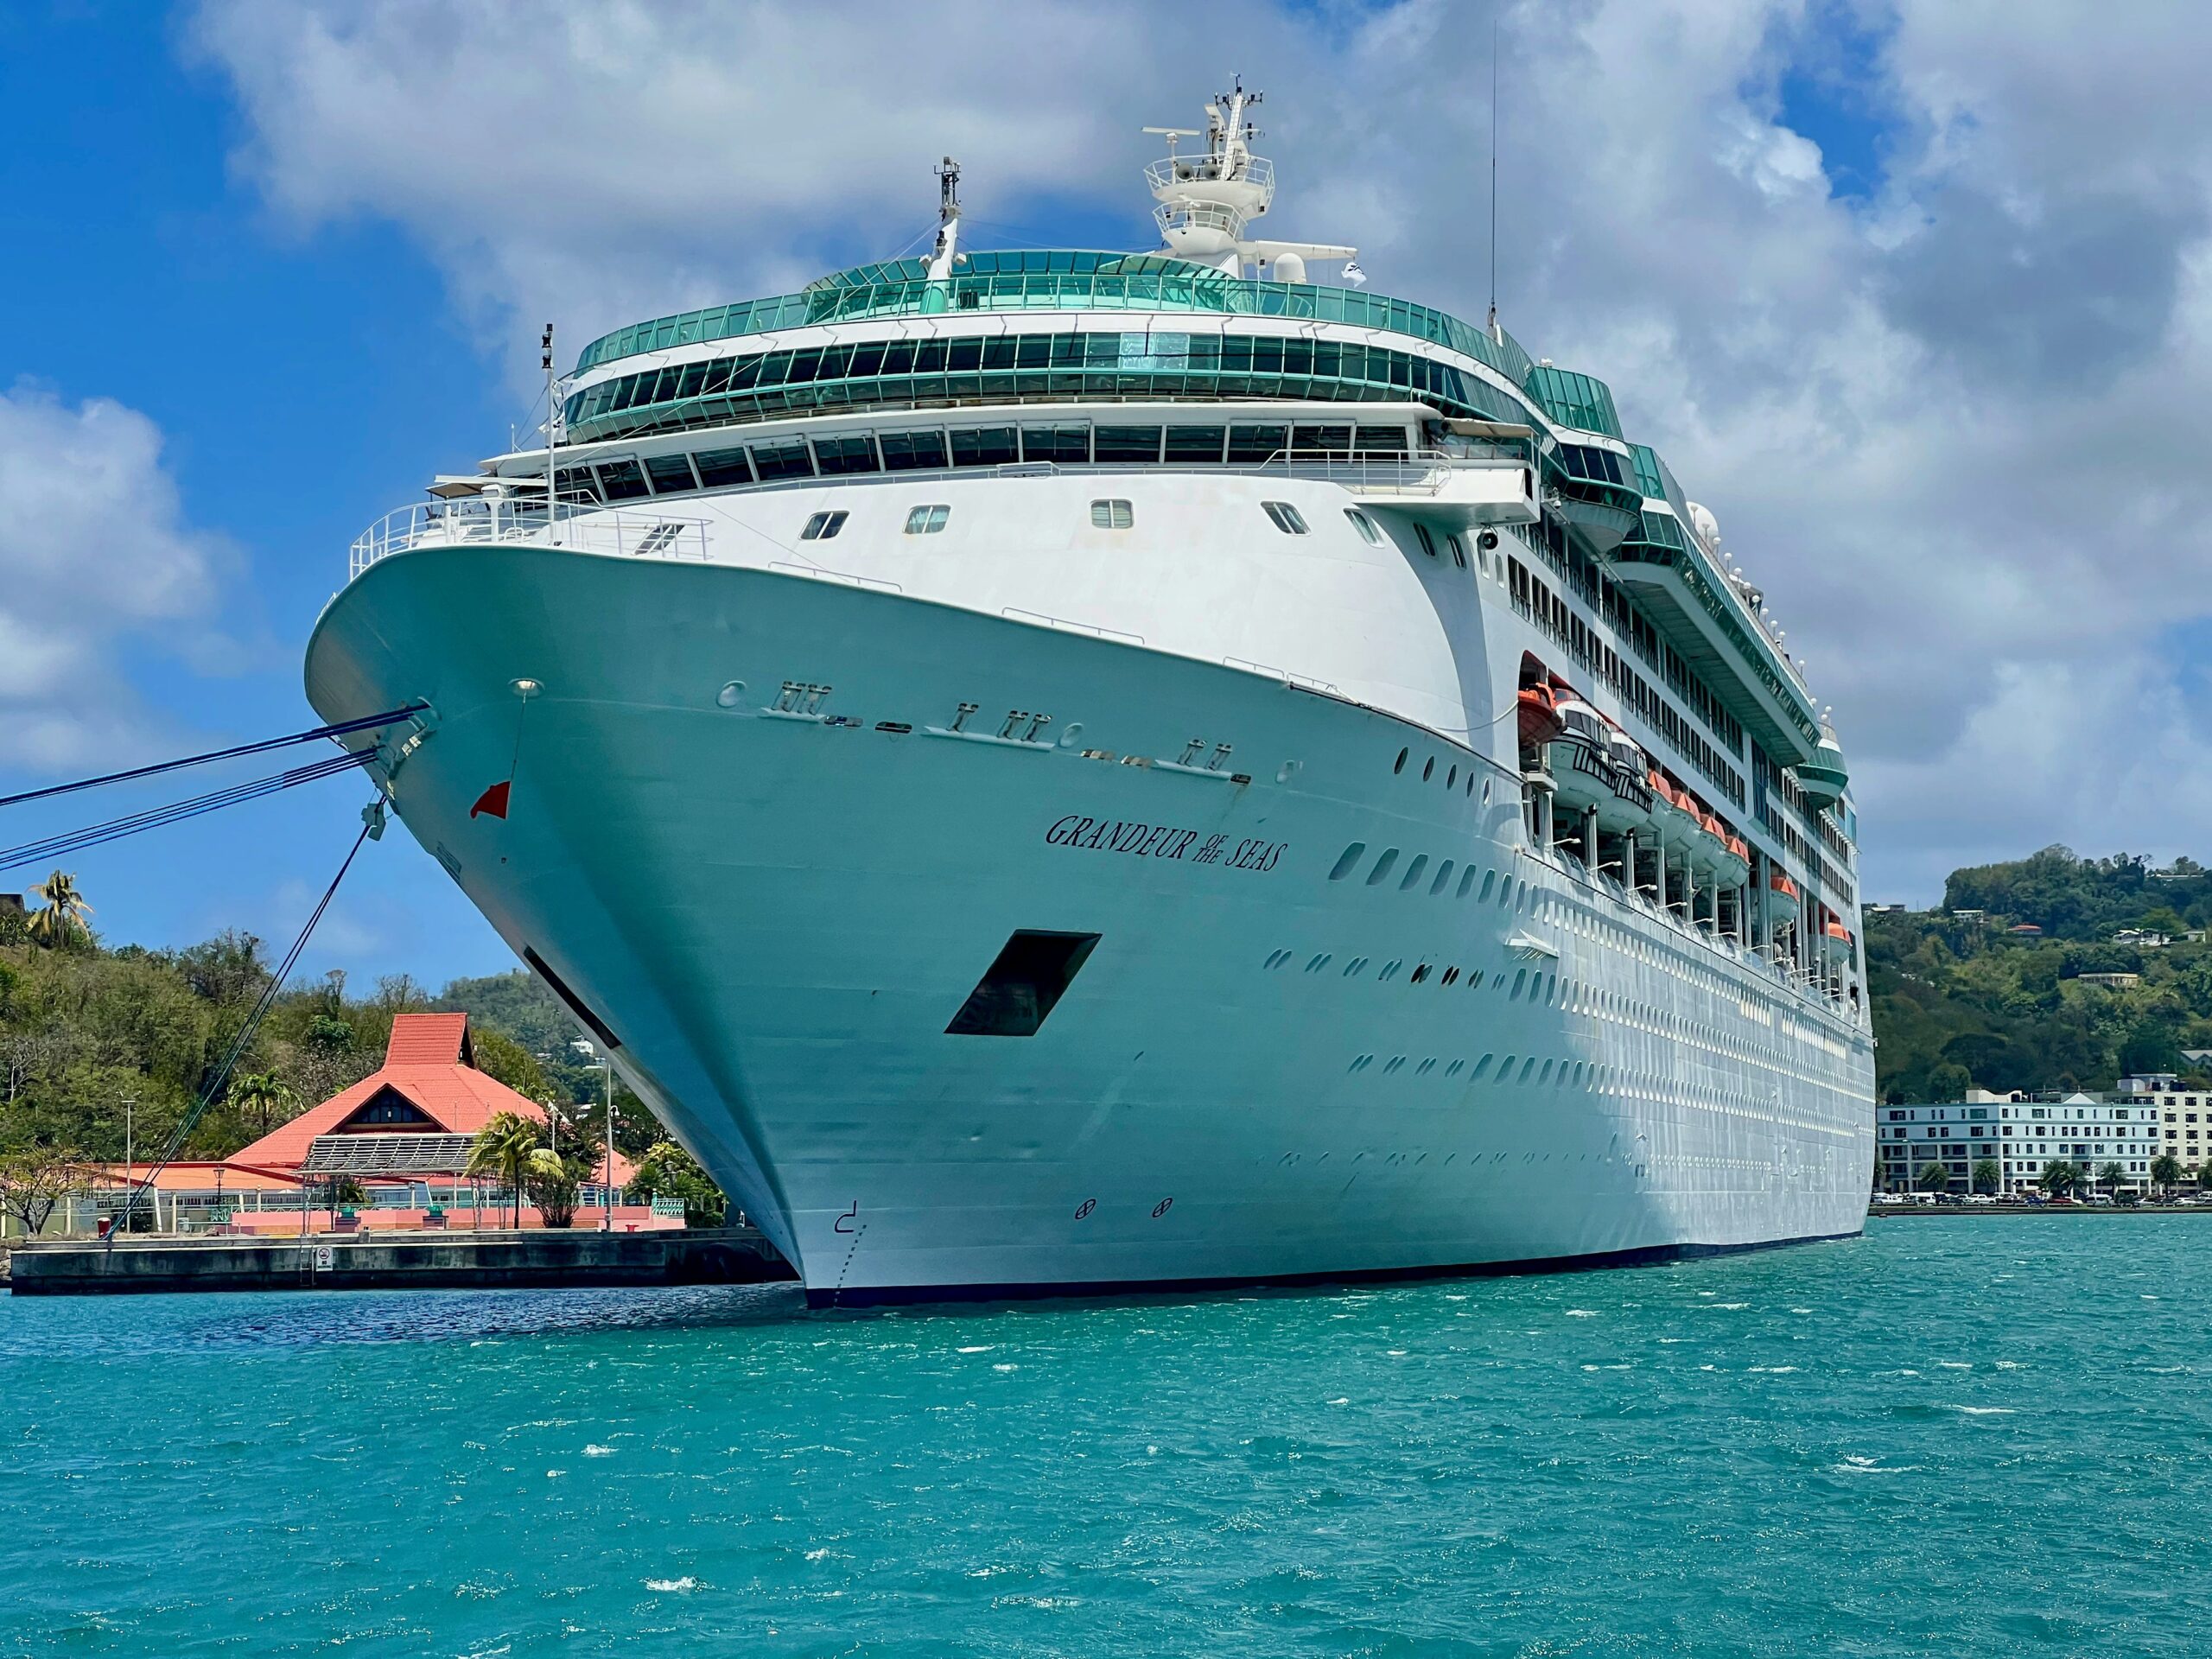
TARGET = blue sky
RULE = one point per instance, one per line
(305, 382)
(1917, 297)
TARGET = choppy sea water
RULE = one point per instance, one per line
(1964, 1435)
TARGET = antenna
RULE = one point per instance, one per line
(947, 220)
(1493, 178)
(552, 432)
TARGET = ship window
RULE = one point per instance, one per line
(1032, 971)
(1129, 443)
(1111, 515)
(670, 473)
(1413, 873)
(1195, 442)
(845, 454)
(1427, 542)
(789, 458)
(1381, 866)
(716, 467)
(1365, 526)
(1285, 518)
(985, 446)
(907, 452)
(823, 526)
(619, 480)
(1249, 445)
(928, 520)
(577, 484)
(1349, 857)
(1382, 439)
(1458, 550)
(1068, 445)
(1313, 442)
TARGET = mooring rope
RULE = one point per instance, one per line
(364, 723)
(221, 1080)
(74, 841)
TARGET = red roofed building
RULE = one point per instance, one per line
(403, 1132)
(428, 1086)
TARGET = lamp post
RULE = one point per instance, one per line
(597, 1062)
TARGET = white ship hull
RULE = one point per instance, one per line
(1259, 1072)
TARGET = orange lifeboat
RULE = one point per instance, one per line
(1539, 715)
(1782, 885)
(1837, 931)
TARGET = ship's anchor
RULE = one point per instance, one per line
(839, 1224)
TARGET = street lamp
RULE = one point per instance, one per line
(594, 1061)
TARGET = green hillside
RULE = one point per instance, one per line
(1965, 999)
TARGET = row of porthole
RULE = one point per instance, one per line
(1509, 893)
(1451, 780)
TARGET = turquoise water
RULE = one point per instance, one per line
(1970, 1435)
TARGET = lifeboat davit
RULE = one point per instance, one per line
(1539, 714)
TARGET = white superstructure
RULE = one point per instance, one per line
(1061, 770)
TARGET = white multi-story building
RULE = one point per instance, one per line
(2183, 1117)
(2021, 1136)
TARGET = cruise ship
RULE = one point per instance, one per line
(1057, 770)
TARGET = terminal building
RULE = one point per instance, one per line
(2021, 1136)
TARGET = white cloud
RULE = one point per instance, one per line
(1951, 430)
(93, 553)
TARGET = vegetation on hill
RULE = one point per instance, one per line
(1964, 998)
(101, 1045)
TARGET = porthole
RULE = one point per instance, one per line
(1481, 1066)
(1452, 778)
(1490, 880)
(1345, 860)
(1399, 765)
(1413, 871)
(1419, 974)
(1466, 880)
(1428, 770)
(1451, 976)
(1381, 866)
(1443, 877)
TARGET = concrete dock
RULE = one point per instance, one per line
(539, 1257)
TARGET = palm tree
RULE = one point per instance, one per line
(257, 1091)
(507, 1147)
(2110, 1176)
(63, 919)
(1933, 1177)
(2166, 1170)
(2059, 1177)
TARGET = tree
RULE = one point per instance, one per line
(508, 1147)
(62, 921)
(2109, 1177)
(1933, 1177)
(2165, 1171)
(34, 1180)
(257, 1091)
(1989, 1175)
(668, 1171)
(554, 1181)
(2059, 1177)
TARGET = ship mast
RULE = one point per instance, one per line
(1208, 202)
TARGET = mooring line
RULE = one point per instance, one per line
(364, 723)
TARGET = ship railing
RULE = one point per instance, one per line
(1419, 472)
(582, 525)
(1178, 172)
